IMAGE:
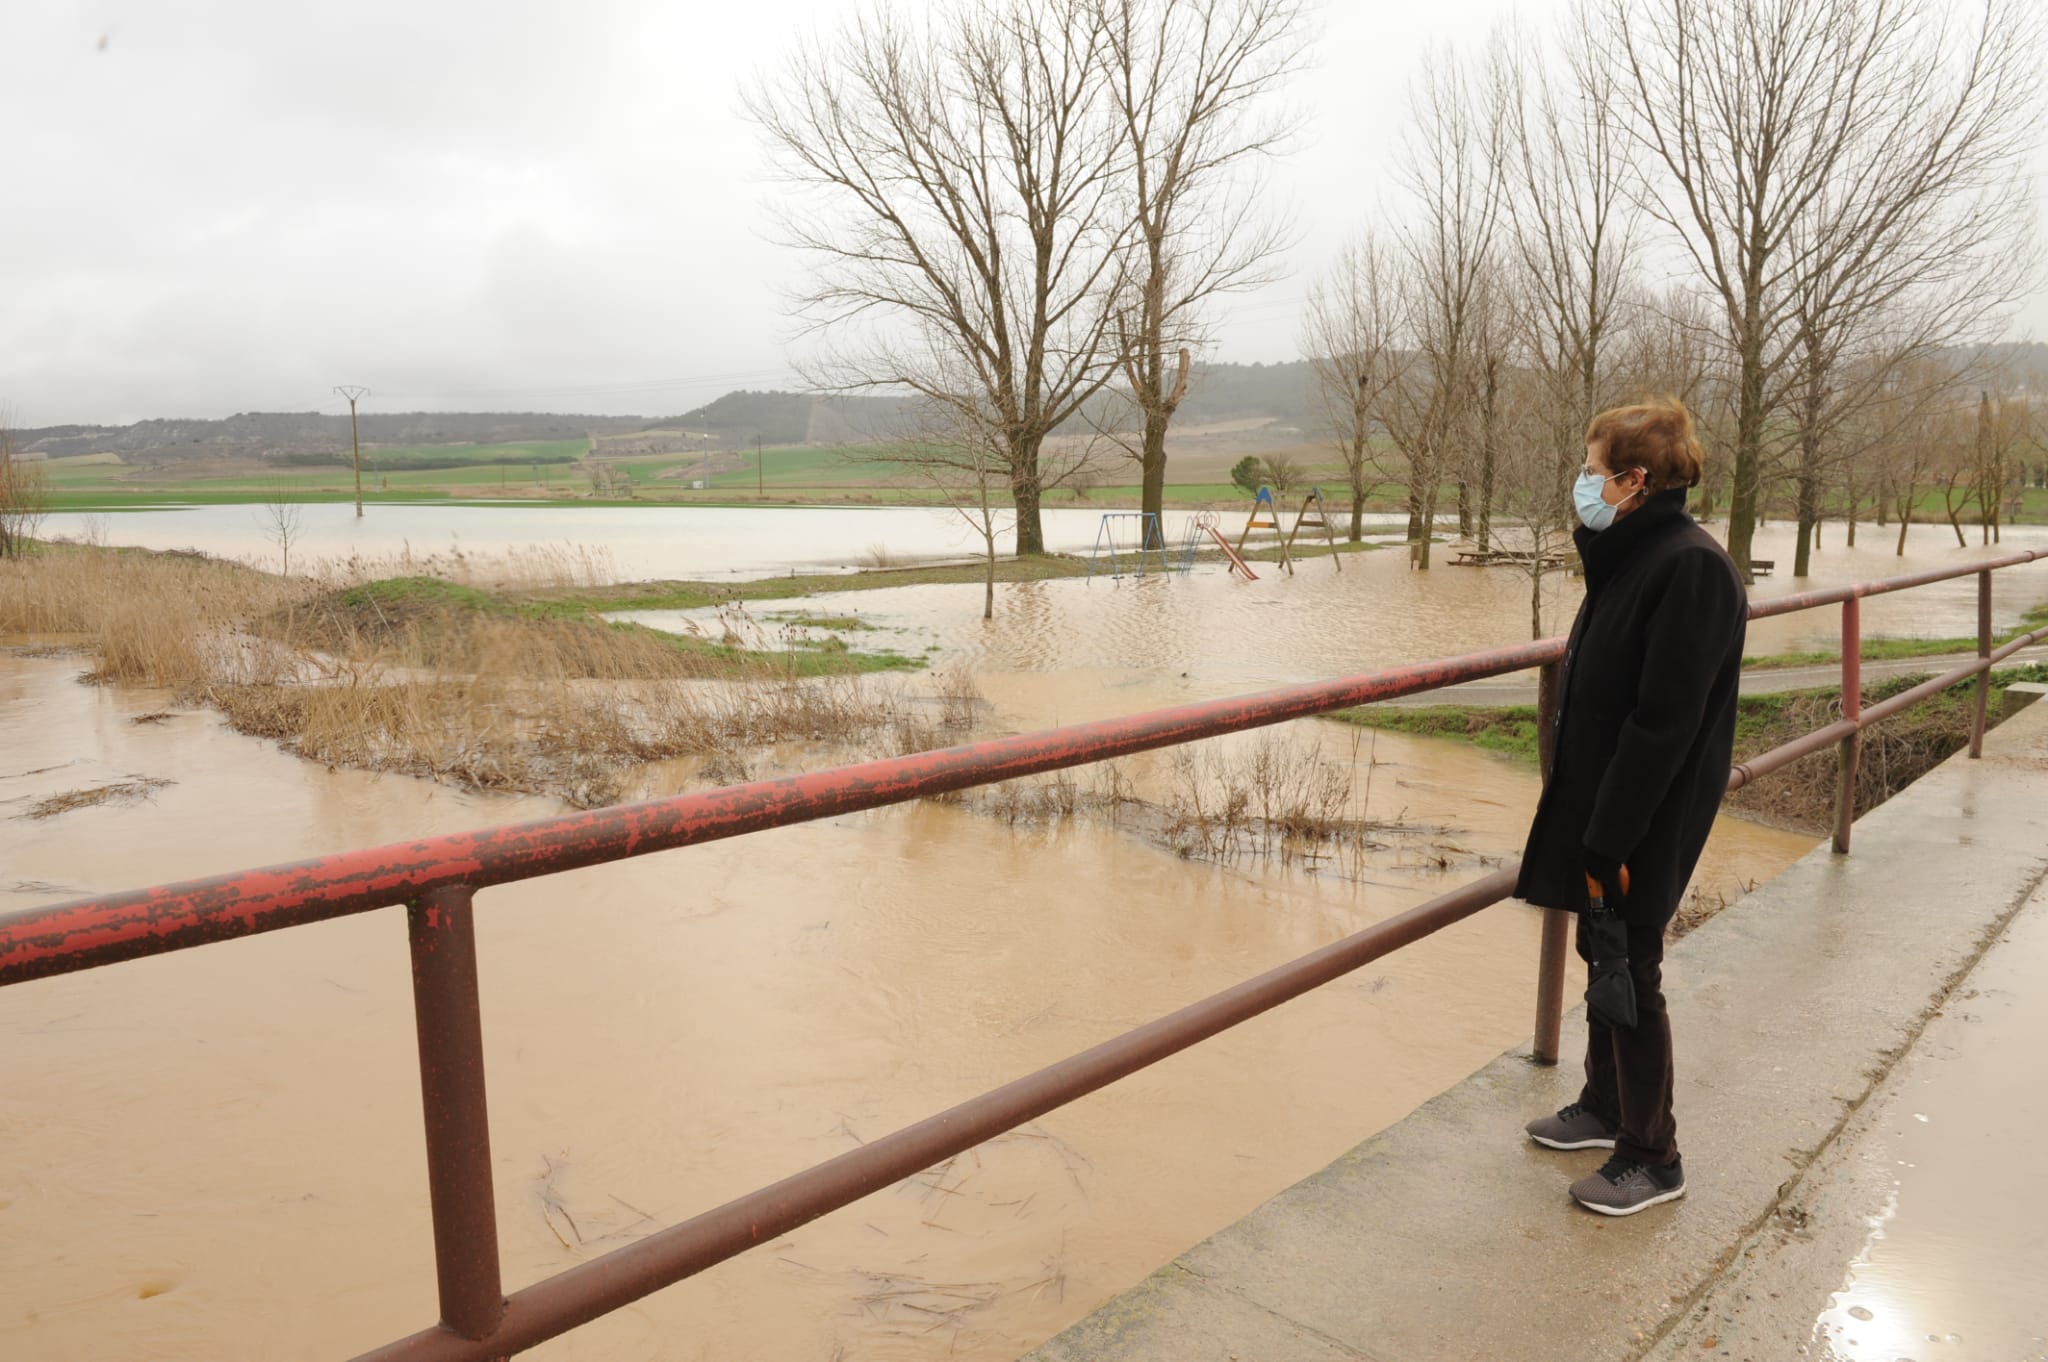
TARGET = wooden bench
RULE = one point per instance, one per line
(1508, 557)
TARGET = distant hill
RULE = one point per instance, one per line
(1276, 393)
(790, 418)
(255, 435)
(1270, 401)
(1282, 393)
(2025, 361)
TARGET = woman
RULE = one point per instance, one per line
(1645, 730)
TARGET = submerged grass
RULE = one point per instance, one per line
(120, 792)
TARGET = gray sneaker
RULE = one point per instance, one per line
(1572, 1128)
(1623, 1186)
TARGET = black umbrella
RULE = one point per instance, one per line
(1603, 945)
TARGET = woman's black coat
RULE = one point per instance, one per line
(1646, 714)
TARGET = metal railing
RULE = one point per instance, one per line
(436, 879)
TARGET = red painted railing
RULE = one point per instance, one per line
(436, 880)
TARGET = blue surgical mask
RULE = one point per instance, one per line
(1594, 512)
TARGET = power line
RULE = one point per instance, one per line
(353, 392)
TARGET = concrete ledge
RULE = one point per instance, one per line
(1449, 1235)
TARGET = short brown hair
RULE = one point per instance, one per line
(1655, 436)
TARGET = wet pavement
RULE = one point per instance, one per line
(1450, 1235)
(1922, 1234)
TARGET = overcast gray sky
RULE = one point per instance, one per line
(214, 206)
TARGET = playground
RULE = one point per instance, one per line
(1133, 542)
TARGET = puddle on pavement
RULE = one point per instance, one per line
(219, 1153)
(1957, 1253)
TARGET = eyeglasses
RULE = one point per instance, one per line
(1588, 471)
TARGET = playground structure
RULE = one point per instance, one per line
(1313, 515)
(1151, 545)
(1133, 542)
(1205, 523)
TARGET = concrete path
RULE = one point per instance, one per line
(1450, 1236)
(1520, 688)
(1922, 1230)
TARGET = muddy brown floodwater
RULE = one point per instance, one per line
(218, 1153)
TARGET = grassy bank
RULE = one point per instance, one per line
(1801, 796)
(1883, 649)
(452, 680)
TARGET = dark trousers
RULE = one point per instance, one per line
(1628, 1073)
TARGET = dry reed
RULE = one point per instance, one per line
(426, 676)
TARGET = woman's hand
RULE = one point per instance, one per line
(1612, 874)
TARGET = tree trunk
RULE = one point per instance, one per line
(1357, 495)
(1415, 505)
(1428, 524)
(1152, 492)
(1749, 433)
(1905, 519)
(988, 597)
(1809, 514)
(1024, 487)
(1486, 502)
(1464, 509)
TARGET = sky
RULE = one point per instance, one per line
(212, 206)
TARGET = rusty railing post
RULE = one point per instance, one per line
(1551, 961)
(1983, 650)
(442, 931)
(1852, 709)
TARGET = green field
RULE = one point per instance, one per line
(542, 473)
(550, 472)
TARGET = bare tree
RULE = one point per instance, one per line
(1530, 493)
(1918, 240)
(279, 518)
(1350, 337)
(1797, 140)
(1450, 171)
(966, 212)
(1912, 440)
(2006, 430)
(24, 494)
(967, 464)
(1192, 85)
(1569, 202)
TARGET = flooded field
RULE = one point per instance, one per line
(643, 542)
(1222, 634)
(219, 1153)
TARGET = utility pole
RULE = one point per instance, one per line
(354, 392)
(760, 480)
